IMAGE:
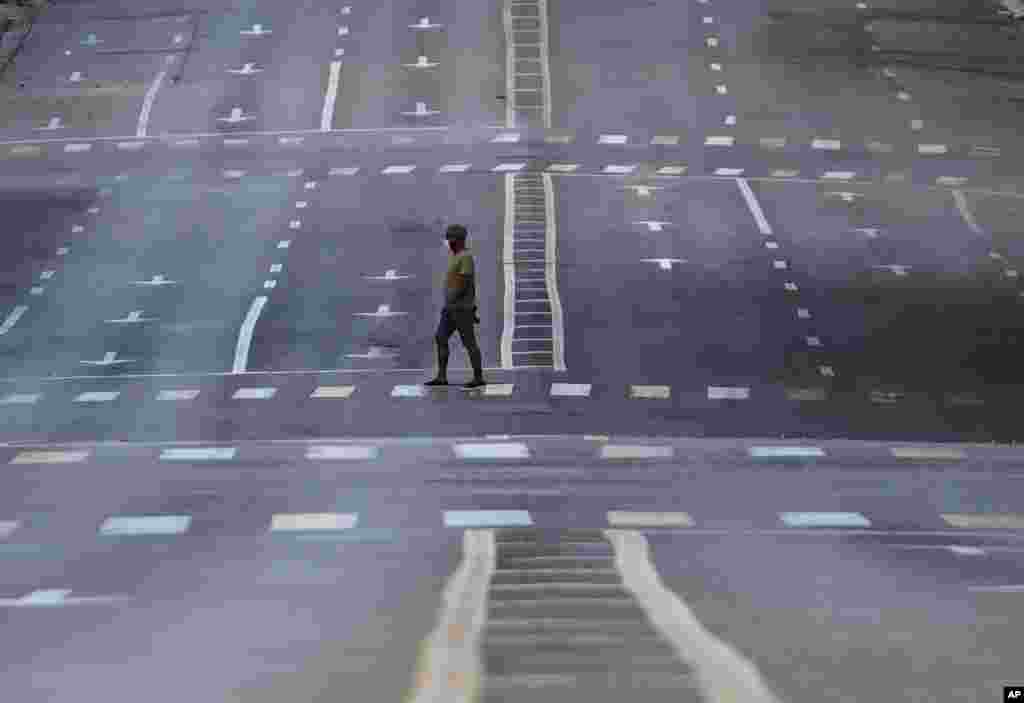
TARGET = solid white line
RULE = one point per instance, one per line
(755, 208)
(245, 334)
(449, 668)
(551, 276)
(147, 104)
(965, 211)
(508, 332)
(722, 672)
(327, 117)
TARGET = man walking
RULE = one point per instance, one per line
(459, 312)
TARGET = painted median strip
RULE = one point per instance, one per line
(449, 669)
(723, 674)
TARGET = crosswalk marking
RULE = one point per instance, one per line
(824, 520)
(625, 518)
(342, 453)
(637, 451)
(511, 450)
(300, 522)
(487, 518)
(51, 457)
(198, 453)
(145, 525)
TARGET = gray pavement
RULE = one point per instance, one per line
(789, 406)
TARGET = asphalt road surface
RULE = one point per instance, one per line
(748, 281)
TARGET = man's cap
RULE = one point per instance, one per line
(457, 232)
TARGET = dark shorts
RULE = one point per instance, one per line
(457, 319)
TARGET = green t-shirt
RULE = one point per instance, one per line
(461, 263)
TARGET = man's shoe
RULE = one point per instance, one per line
(437, 382)
(475, 383)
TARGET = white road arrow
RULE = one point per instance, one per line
(374, 353)
(245, 70)
(642, 191)
(158, 280)
(898, 269)
(424, 23)
(382, 311)
(256, 31)
(871, 232)
(844, 196)
(421, 62)
(109, 359)
(133, 316)
(653, 225)
(422, 111)
(665, 264)
(236, 116)
(54, 123)
(389, 275)
(56, 597)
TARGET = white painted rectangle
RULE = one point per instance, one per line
(254, 393)
(20, 398)
(455, 168)
(728, 171)
(636, 451)
(784, 452)
(928, 453)
(931, 149)
(185, 142)
(97, 396)
(563, 168)
(578, 390)
(839, 175)
(487, 518)
(665, 140)
(1001, 521)
(33, 149)
(649, 391)
(612, 139)
(727, 393)
(504, 168)
(510, 450)
(408, 391)
(333, 392)
(408, 168)
(827, 144)
(824, 520)
(719, 141)
(130, 146)
(671, 170)
(506, 138)
(198, 453)
(950, 180)
(290, 141)
(301, 522)
(618, 168)
(498, 389)
(785, 173)
(75, 148)
(145, 525)
(178, 394)
(627, 518)
(342, 452)
(50, 457)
